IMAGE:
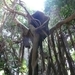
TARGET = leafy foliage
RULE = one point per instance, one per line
(60, 9)
(66, 6)
(24, 68)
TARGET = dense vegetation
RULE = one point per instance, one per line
(13, 60)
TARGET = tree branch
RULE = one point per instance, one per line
(23, 27)
(14, 11)
(58, 25)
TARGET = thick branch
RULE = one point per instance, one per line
(58, 25)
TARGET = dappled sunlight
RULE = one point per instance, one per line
(1, 72)
(37, 37)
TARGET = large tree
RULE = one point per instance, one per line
(16, 14)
